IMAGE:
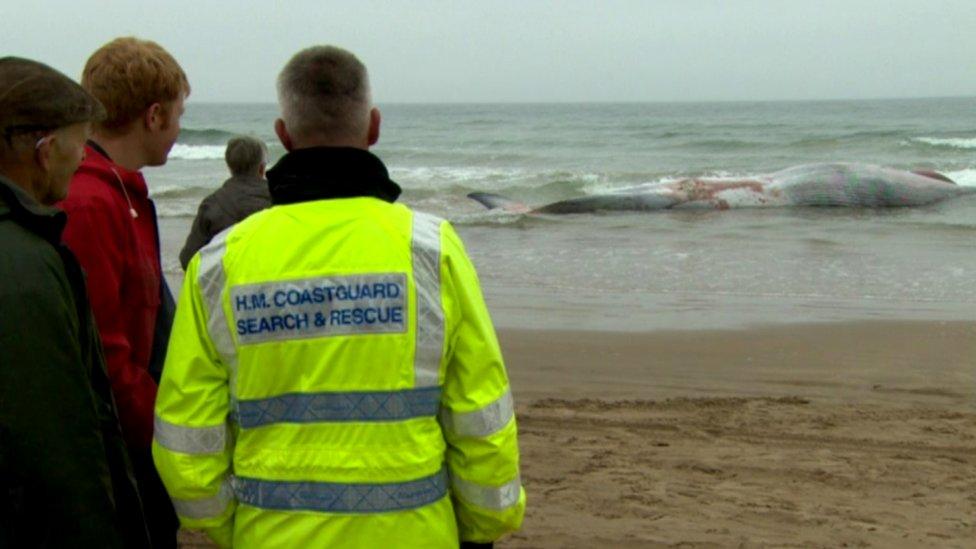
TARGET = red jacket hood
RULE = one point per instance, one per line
(101, 167)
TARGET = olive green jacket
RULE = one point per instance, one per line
(65, 477)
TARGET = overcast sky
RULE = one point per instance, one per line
(536, 50)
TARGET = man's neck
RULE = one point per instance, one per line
(123, 149)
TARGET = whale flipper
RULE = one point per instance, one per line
(497, 201)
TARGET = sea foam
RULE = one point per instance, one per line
(951, 142)
(197, 152)
(965, 178)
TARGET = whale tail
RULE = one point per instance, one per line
(498, 202)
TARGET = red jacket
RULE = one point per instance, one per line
(120, 254)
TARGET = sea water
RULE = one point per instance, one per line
(671, 269)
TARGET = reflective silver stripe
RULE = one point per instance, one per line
(496, 498)
(207, 507)
(426, 252)
(190, 440)
(211, 280)
(335, 497)
(480, 423)
(349, 406)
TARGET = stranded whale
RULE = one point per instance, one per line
(839, 185)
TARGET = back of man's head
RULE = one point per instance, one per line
(128, 75)
(324, 96)
(36, 99)
(245, 155)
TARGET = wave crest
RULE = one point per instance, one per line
(950, 142)
(205, 136)
(183, 151)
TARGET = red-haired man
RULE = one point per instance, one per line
(112, 229)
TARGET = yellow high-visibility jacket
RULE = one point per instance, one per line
(333, 379)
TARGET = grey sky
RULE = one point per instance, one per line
(535, 51)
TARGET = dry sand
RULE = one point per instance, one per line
(832, 435)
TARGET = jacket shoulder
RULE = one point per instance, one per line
(26, 257)
(88, 190)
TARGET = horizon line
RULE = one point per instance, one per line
(616, 102)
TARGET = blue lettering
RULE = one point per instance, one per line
(392, 290)
(279, 298)
(370, 318)
(241, 327)
(335, 317)
(240, 303)
(396, 314)
(379, 290)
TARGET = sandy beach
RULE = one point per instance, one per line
(835, 435)
(857, 434)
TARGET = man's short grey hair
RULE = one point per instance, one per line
(244, 155)
(324, 91)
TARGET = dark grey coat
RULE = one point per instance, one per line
(239, 197)
(65, 477)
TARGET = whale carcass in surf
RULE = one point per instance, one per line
(838, 185)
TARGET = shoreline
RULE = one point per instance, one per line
(889, 361)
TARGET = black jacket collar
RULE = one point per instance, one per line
(46, 221)
(321, 173)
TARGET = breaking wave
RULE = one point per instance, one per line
(206, 136)
(950, 142)
(183, 151)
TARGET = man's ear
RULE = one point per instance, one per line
(282, 132)
(42, 151)
(374, 126)
(262, 168)
(153, 117)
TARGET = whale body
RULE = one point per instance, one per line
(818, 185)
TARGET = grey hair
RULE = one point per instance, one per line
(324, 91)
(244, 155)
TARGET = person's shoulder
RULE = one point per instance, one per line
(239, 232)
(90, 190)
(26, 256)
(450, 241)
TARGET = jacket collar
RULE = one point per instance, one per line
(321, 173)
(43, 220)
(98, 162)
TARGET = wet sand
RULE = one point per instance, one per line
(859, 434)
